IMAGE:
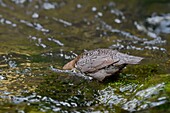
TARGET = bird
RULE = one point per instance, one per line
(101, 63)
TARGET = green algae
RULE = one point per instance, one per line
(66, 87)
(62, 86)
(147, 69)
(167, 88)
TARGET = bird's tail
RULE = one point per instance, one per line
(128, 59)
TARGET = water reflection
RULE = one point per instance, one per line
(18, 1)
(134, 100)
(66, 23)
(134, 41)
(37, 26)
(7, 22)
(156, 24)
(153, 26)
(56, 41)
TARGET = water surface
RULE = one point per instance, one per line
(39, 36)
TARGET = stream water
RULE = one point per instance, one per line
(37, 37)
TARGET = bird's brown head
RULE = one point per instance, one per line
(70, 65)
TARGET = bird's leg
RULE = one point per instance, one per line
(74, 70)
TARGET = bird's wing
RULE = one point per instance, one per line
(94, 63)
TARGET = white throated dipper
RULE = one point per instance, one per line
(100, 63)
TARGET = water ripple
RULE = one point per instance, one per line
(37, 26)
(143, 99)
(56, 41)
(7, 22)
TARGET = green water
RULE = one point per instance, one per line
(39, 36)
